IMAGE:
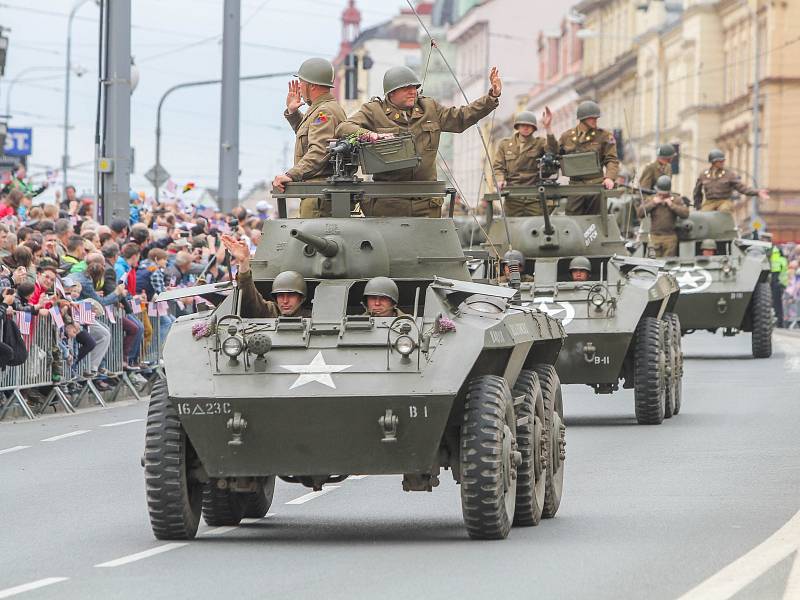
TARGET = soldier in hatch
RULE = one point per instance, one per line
(714, 187)
(402, 110)
(580, 268)
(663, 210)
(662, 165)
(288, 288)
(380, 298)
(509, 258)
(708, 247)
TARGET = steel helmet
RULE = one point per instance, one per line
(399, 77)
(526, 117)
(708, 244)
(588, 109)
(664, 184)
(382, 286)
(666, 151)
(289, 282)
(715, 155)
(514, 255)
(580, 263)
(316, 70)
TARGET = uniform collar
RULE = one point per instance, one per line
(324, 98)
(395, 113)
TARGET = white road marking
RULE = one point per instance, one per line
(355, 477)
(33, 585)
(746, 569)
(312, 495)
(122, 423)
(792, 590)
(118, 562)
(13, 449)
(220, 530)
(55, 438)
(251, 521)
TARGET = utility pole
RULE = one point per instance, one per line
(115, 165)
(229, 109)
(754, 213)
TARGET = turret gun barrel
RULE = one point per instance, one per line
(324, 246)
(548, 226)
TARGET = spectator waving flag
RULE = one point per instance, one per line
(23, 320)
(55, 313)
(60, 287)
(83, 313)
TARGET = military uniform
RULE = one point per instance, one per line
(714, 188)
(585, 139)
(313, 130)
(663, 239)
(516, 163)
(253, 304)
(651, 172)
(425, 121)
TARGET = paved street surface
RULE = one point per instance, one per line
(648, 512)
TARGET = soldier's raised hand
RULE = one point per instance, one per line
(763, 194)
(497, 83)
(238, 248)
(293, 99)
(547, 118)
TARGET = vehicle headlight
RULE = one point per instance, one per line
(233, 346)
(597, 299)
(404, 345)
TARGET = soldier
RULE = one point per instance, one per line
(403, 110)
(715, 185)
(288, 288)
(708, 247)
(662, 165)
(380, 298)
(586, 137)
(517, 257)
(580, 268)
(516, 161)
(663, 209)
(313, 131)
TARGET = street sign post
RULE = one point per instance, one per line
(157, 176)
(19, 141)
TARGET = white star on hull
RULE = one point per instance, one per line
(316, 370)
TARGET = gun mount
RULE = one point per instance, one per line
(314, 243)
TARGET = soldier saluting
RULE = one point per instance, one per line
(313, 131)
(715, 186)
(403, 110)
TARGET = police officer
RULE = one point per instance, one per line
(580, 268)
(516, 161)
(380, 298)
(313, 130)
(662, 165)
(716, 184)
(587, 137)
(403, 110)
(288, 288)
(779, 279)
(708, 247)
(517, 258)
(663, 209)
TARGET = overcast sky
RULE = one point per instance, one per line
(173, 41)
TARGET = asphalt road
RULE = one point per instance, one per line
(648, 512)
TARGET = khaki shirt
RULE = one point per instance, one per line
(425, 122)
(585, 139)
(651, 173)
(516, 158)
(313, 131)
(253, 304)
(663, 216)
(719, 184)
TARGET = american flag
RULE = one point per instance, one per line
(110, 315)
(152, 310)
(55, 313)
(136, 307)
(162, 308)
(82, 313)
(23, 320)
(60, 287)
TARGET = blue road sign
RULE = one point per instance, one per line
(19, 141)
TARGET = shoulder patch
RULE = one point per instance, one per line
(321, 118)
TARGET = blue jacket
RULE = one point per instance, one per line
(87, 290)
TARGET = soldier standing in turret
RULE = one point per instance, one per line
(403, 110)
(715, 186)
(587, 137)
(516, 161)
(663, 209)
(313, 131)
(662, 165)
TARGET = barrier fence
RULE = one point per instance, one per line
(52, 377)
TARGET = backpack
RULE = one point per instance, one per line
(13, 351)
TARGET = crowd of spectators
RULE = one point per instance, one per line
(57, 262)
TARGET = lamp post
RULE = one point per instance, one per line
(189, 84)
(756, 108)
(65, 157)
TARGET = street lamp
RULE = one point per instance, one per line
(590, 33)
(756, 107)
(195, 84)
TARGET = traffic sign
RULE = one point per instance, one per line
(157, 175)
(19, 141)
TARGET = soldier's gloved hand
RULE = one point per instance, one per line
(608, 183)
(280, 180)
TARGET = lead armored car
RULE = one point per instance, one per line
(728, 291)
(464, 381)
(621, 323)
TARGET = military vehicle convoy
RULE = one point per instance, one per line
(621, 322)
(465, 380)
(728, 289)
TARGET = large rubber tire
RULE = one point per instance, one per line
(761, 317)
(173, 495)
(677, 348)
(256, 504)
(649, 387)
(532, 445)
(555, 432)
(488, 487)
(670, 381)
(222, 506)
